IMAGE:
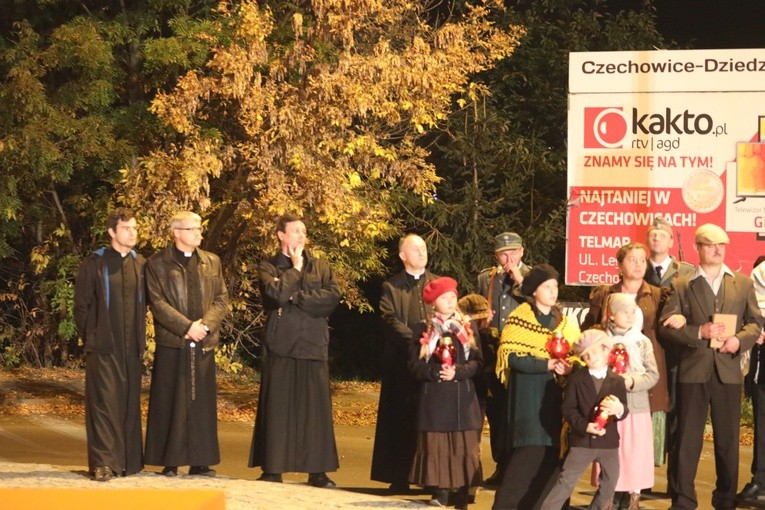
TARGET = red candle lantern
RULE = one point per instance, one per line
(600, 416)
(557, 346)
(618, 359)
(445, 352)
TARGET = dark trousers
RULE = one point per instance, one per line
(671, 430)
(577, 461)
(694, 400)
(528, 477)
(758, 459)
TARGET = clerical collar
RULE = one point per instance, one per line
(598, 373)
(413, 275)
(184, 254)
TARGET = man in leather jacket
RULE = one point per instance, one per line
(189, 301)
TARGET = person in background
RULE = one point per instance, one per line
(754, 491)
(500, 285)
(447, 458)
(294, 430)
(401, 308)
(709, 373)
(662, 270)
(535, 384)
(110, 316)
(189, 300)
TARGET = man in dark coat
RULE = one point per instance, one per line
(293, 426)
(401, 308)
(500, 285)
(709, 373)
(110, 315)
(189, 301)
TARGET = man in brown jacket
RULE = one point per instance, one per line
(189, 301)
(709, 373)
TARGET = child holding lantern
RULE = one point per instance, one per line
(640, 374)
(534, 377)
(445, 358)
(593, 396)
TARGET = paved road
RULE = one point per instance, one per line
(42, 451)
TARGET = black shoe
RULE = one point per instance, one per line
(170, 471)
(751, 491)
(440, 498)
(201, 471)
(399, 488)
(271, 477)
(494, 480)
(321, 480)
(103, 474)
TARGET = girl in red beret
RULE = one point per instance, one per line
(444, 358)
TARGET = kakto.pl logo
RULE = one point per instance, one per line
(604, 127)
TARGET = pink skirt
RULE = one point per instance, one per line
(635, 454)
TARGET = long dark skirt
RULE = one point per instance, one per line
(182, 428)
(113, 412)
(447, 460)
(293, 426)
(396, 430)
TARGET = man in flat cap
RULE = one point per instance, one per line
(713, 317)
(500, 285)
(663, 268)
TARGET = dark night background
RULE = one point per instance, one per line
(709, 24)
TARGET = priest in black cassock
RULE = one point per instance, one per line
(294, 431)
(401, 308)
(110, 316)
(189, 301)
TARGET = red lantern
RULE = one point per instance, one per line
(445, 352)
(557, 346)
(600, 416)
(618, 359)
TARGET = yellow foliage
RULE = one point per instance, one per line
(323, 122)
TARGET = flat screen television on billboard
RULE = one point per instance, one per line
(750, 170)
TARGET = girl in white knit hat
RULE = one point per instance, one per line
(641, 374)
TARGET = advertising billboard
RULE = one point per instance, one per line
(676, 134)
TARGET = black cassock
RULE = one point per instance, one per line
(113, 381)
(182, 427)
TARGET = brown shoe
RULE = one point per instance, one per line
(634, 501)
(103, 474)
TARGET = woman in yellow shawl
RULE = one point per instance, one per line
(535, 391)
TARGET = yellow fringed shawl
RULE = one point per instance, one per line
(524, 336)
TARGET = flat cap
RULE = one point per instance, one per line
(709, 233)
(590, 338)
(475, 305)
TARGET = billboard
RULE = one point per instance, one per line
(676, 134)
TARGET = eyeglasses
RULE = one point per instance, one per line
(191, 229)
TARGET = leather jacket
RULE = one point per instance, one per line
(168, 298)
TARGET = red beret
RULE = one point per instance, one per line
(439, 286)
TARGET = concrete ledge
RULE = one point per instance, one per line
(113, 499)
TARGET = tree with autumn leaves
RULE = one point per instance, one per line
(368, 117)
(313, 108)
